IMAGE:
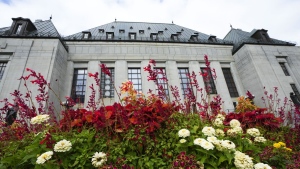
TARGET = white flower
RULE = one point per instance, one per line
(184, 133)
(234, 131)
(220, 133)
(39, 119)
(227, 144)
(182, 140)
(208, 131)
(262, 166)
(62, 146)
(207, 145)
(44, 157)
(253, 132)
(260, 139)
(198, 141)
(99, 159)
(220, 116)
(235, 123)
(242, 161)
(218, 122)
(213, 139)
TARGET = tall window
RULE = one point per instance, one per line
(107, 84)
(286, 72)
(296, 91)
(18, 29)
(230, 82)
(79, 85)
(134, 75)
(161, 81)
(2, 69)
(184, 80)
(209, 81)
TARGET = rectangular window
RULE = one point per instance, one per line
(286, 72)
(85, 35)
(109, 35)
(134, 75)
(161, 73)
(107, 84)
(2, 69)
(184, 80)
(132, 36)
(209, 81)
(18, 29)
(79, 85)
(230, 82)
(296, 91)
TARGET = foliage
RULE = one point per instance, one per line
(143, 131)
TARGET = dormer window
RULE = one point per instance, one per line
(109, 35)
(112, 27)
(261, 35)
(194, 38)
(153, 36)
(86, 35)
(160, 32)
(132, 36)
(149, 28)
(212, 39)
(174, 37)
(141, 31)
(101, 30)
(131, 27)
(121, 31)
(178, 33)
(18, 29)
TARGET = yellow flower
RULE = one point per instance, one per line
(288, 149)
(282, 143)
(276, 145)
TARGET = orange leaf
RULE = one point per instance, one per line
(133, 120)
(108, 114)
(89, 118)
(76, 122)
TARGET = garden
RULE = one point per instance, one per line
(148, 131)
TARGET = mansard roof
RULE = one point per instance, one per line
(38, 28)
(240, 37)
(143, 31)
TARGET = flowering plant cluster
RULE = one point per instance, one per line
(144, 131)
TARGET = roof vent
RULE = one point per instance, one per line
(131, 27)
(112, 27)
(178, 33)
(182, 29)
(141, 31)
(166, 28)
(160, 32)
(38, 20)
(196, 33)
(149, 28)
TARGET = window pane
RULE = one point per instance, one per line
(209, 81)
(230, 82)
(79, 85)
(184, 79)
(107, 84)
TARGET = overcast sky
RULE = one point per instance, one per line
(213, 17)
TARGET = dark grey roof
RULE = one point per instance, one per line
(164, 32)
(240, 37)
(44, 29)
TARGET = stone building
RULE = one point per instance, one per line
(242, 60)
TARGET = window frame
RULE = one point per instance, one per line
(3, 66)
(103, 80)
(284, 69)
(133, 79)
(75, 80)
(230, 82)
(183, 75)
(210, 83)
(160, 81)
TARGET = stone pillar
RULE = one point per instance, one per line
(237, 80)
(221, 87)
(146, 85)
(173, 77)
(195, 66)
(121, 75)
(68, 79)
(93, 67)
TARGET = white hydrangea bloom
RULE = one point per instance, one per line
(207, 145)
(184, 133)
(220, 133)
(182, 140)
(235, 123)
(254, 132)
(262, 166)
(260, 139)
(227, 144)
(220, 116)
(198, 141)
(44, 157)
(218, 122)
(62, 146)
(242, 161)
(212, 139)
(99, 159)
(39, 119)
(208, 131)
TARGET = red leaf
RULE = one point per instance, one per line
(89, 118)
(76, 122)
(133, 120)
(108, 114)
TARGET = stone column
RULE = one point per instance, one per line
(221, 87)
(93, 67)
(173, 77)
(146, 85)
(121, 75)
(237, 80)
(195, 66)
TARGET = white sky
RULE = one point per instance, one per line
(280, 17)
